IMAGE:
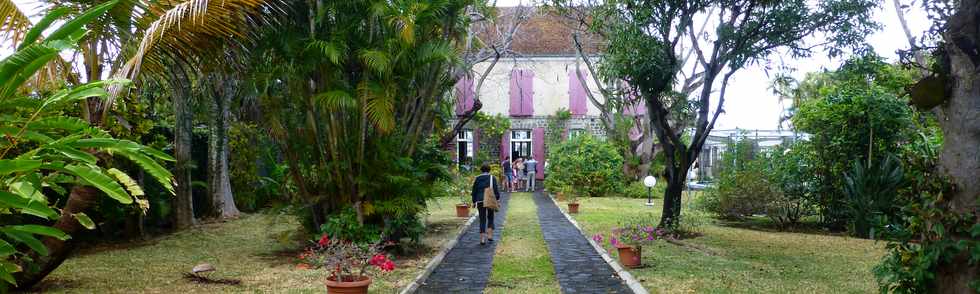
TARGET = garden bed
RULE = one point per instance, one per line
(248, 249)
(730, 259)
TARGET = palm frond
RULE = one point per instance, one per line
(197, 27)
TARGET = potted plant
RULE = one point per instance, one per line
(629, 238)
(572, 203)
(349, 263)
(458, 188)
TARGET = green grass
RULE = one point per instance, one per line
(522, 263)
(739, 260)
(248, 249)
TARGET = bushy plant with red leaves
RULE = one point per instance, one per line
(346, 261)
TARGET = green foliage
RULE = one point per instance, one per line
(585, 166)
(636, 189)
(492, 126)
(256, 179)
(855, 121)
(557, 125)
(871, 192)
(788, 172)
(45, 151)
(344, 226)
(775, 183)
(927, 233)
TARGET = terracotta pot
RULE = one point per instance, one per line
(462, 210)
(630, 256)
(573, 207)
(356, 287)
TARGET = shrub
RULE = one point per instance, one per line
(344, 226)
(790, 173)
(585, 165)
(636, 189)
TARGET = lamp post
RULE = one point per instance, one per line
(650, 181)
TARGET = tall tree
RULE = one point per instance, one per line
(959, 26)
(644, 50)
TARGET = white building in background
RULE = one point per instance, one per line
(531, 87)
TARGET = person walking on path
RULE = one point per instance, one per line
(508, 174)
(485, 215)
(531, 167)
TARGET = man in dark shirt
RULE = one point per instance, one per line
(508, 173)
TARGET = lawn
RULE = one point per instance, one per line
(248, 248)
(522, 263)
(739, 260)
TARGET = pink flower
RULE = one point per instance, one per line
(613, 241)
(597, 238)
(324, 240)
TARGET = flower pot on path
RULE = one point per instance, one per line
(630, 256)
(573, 207)
(356, 287)
(462, 210)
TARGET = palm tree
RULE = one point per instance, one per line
(169, 41)
(357, 82)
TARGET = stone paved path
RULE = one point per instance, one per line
(466, 268)
(580, 269)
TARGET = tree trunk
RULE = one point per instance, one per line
(222, 199)
(676, 176)
(184, 199)
(80, 199)
(960, 121)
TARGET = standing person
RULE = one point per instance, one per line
(484, 180)
(531, 166)
(508, 174)
(519, 173)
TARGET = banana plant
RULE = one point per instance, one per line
(43, 150)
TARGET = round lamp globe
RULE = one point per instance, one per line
(650, 181)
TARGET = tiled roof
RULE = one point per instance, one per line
(548, 33)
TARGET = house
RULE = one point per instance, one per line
(530, 86)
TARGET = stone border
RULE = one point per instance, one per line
(631, 282)
(414, 285)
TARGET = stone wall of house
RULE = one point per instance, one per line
(491, 146)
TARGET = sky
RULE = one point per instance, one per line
(750, 103)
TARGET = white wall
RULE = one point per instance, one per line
(551, 84)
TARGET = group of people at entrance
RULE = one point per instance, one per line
(519, 173)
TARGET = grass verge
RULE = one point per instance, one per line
(739, 260)
(522, 263)
(246, 249)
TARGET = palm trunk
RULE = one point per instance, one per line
(222, 199)
(183, 201)
(960, 157)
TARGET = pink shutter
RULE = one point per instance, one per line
(515, 92)
(527, 92)
(464, 95)
(476, 142)
(505, 145)
(537, 143)
(576, 93)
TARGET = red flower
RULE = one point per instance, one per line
(378, 260)
(387, 266)
(324, 241)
